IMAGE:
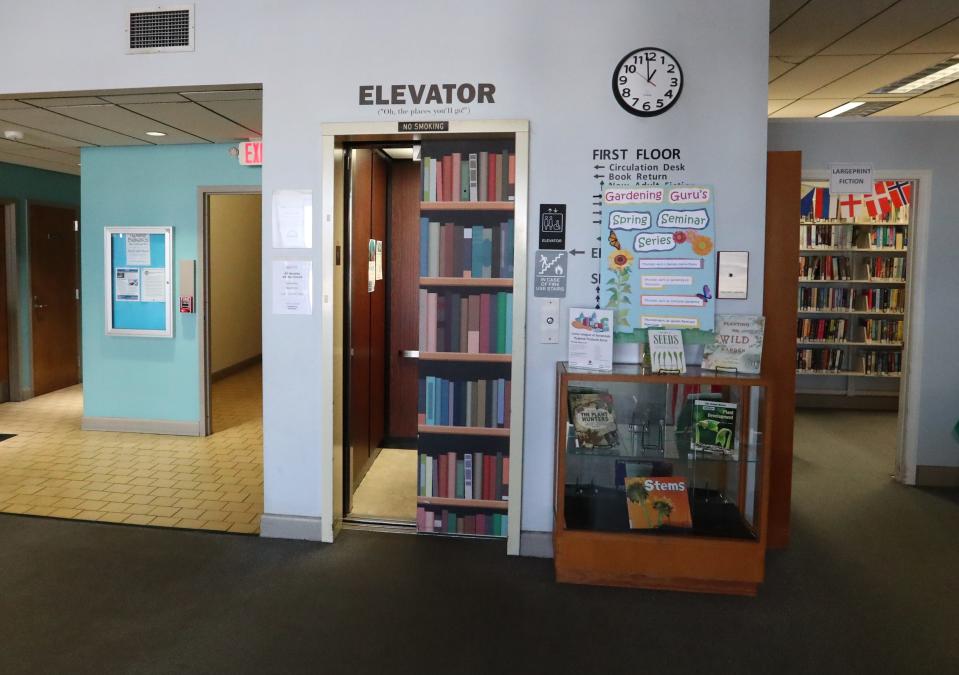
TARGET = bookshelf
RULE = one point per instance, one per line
(853, 290)
(467, 232)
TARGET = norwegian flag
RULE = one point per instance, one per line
(900, 192)
(878, 202)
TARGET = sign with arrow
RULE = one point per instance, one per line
(549, 278)
(552, 226)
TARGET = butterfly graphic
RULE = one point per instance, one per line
(614, 241)
(706, 295)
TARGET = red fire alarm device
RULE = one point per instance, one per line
(187, 285)
(186, 304)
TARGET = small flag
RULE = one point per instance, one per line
(878, 203)
(900, 192)
(816, 204)
(847, 206)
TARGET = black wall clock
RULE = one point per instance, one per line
(647, 82)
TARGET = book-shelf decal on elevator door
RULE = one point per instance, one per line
(465, 336)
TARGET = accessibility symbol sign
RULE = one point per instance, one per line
(549, 278)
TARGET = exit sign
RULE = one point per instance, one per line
(251, 153)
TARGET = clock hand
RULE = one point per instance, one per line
(650, 80)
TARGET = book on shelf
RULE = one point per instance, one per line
(825, 268)
(666, 352)
(879, 299)
(448, 521)
(820, 359)
(473, 323)
(883, 362)
(814, 298)
(469, 177)
(887, 237)
(654, 502)
(593, 416)
(466, 251)
(882, 330)
(832, 330)
(714, 427)
(885, 267)
(831, 236)
(464, 403)
(737, 344)
(468, 476)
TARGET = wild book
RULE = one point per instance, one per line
(714, 427)
(658, 502)
(738, 344)
(593, 415)
(666, 351)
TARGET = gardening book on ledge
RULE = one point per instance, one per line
(714, 427)
(658, 502)
(738, 344)
(666, 354)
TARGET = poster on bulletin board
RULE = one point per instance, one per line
(658, 264)
(138, 281)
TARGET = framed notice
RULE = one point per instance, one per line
(138, 281)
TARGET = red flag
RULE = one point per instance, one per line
(900, 192)
(878, 203)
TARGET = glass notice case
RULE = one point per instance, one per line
(654, 471)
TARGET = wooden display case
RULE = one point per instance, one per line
(724, 550)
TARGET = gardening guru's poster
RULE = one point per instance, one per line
(658, 261)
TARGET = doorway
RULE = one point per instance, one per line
(55, 297)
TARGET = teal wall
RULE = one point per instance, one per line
(136, 377)
(24, 185)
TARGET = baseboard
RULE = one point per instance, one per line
(236, 367)
(937, 476)
(164, 427)
(276, 526)
(536, 544)
(26, 393)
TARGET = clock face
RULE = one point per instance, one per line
(647, 82)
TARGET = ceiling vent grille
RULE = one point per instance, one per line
(167, 28)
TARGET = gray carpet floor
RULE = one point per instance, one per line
(869, 585)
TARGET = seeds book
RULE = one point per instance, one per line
(666, 351)
(658, 502)
(714, 427)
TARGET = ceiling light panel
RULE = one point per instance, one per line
(844, 108)
(933, 77)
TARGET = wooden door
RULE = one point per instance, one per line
(378, 326)
(361, 180)
(780, 282)
(404, 248)
(54, 266)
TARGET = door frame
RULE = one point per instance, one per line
(27, 393)
(334, 137)
(907, 428)
(201, 286)
(12, 299)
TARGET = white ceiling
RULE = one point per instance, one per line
(823, 53)
(56, 126)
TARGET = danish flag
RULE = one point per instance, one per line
(899, 192)
(878, 203)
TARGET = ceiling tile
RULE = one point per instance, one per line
(245, 113)
(61, 125)
(779, 11)
(809, 107)
(774, 105)
(64, 155)
(904, 21)
(914, 106)
(951, 110)
(193, 119)
(166, 97)
(62, 100)
(951, 89)
(225, 95)
(127, 122)
(881, 72)
(819, 23)
(778, 67)
(42, 138)
(39, 163)
(12, 104)
(943, 39)
(813, 74)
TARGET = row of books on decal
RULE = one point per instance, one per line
(471, 475)
(836, 330)
(446, 521)
(841, 268)
(464, 403)
(818, 299)
(470, 251)
(473, 323)
(825, 360)
(469, 177)
(846, 236)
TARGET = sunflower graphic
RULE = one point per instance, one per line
(620, 260)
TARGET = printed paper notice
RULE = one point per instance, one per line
(292, 219)
(292, 287)
(591, 338)
(126, 284)
(153, 282)
(138, 249)
(379, 260)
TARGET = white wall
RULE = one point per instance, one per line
(551, 62)
(235, 288)
(906, 145)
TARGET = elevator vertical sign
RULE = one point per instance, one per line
(251, 153)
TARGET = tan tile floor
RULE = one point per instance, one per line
(388, 490)
(52, 468)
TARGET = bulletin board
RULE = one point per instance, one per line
(138, 281)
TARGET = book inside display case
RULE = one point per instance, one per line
(465, 336)
(661, 479)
